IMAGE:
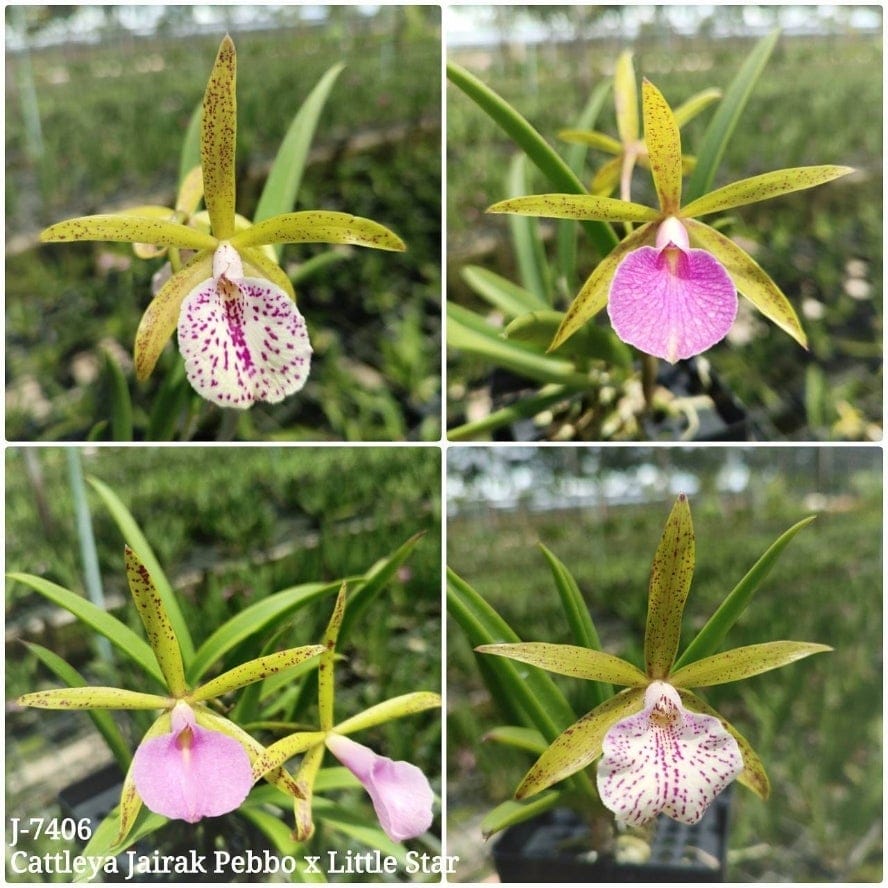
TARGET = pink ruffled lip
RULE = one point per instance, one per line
(192, 772)
(672, 301)
(400, 792)
(665, 759)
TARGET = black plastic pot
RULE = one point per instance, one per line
(554, 848)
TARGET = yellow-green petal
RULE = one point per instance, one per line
(396, 707)
(576, 206)
(663, 143)
(593, 139)
(749, 278)
(743, 662)
(671, 574)
(318, 227)
(305, 780)
(326, 685)
(569, 659)
(607, 178)
(255, 670)
(688, 110)
(162, 314)
(753, 776)
(124, 228)
(93, 698)
(763, 187)
(159, 629)
(284, 749)
(258, 264)
(218, 139)
(594, 294)
(580, 744)
(190, 192)
(626, 98)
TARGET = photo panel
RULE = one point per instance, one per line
(223, 664)
(624, 697)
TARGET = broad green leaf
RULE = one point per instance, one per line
(579, 745)
(532, 143)
(592, 139)
(158, 627)
(521, 738)
(568, 659)
(252, 620)
(106, 841)
(743, 662)
(463, 334)
(511, 812)
(282, 185)
(500, 292)
(749, 278)
(318, 226)
(218, 140)
(671, 574)
(120, 402)
(281, 839)
(576, 206)
(396, 707)
(358, 827)
(721, 127)
(533, 270)
(626, 98)
(133, 537)
(104, 723)
(661, 136)
(729, 611)
(169, 405)
(326, 684)
(594, 293)
(120, 635)
(284, 749)
(698, 102)
(257, 264)
(753, 775)
(128, 229)
(547, 396)
(763, 187)
(255, 670)
(90, 697)
(162, 315)
(592, 342)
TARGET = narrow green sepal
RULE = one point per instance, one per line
(93, 698)
(576, 206)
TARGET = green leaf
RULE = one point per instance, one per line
(749, 278)
(533, 270)
(120, 635)
(282, 184)
(281, 839)
(568, 659)
(521, 738)
(122, 228)
(532, 143)
(158, 627)
(698, 102)
(576, 206)
(354, 825)
(105, 842)
(121, 404)
(743, 662)
(725, 119)
(671, 573)
(591, 342)
(500, 292)
(104, 723)
(579, 745)
(252, 620)
(663, 141)
(730, 610)
(136, 540)
(255, 670)
(511, 812)
(763, 187)
(318, 227)
(396, 707)
(218, 140)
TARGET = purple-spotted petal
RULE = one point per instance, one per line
(191, 772)
(665, 759)
(243, 340)
(401, 794)
(671, 301)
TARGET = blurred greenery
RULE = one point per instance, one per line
(815, 103)
(817, 726)
(374, 319)
(230, 527)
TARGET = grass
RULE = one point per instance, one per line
(374, 319)
(821, 823)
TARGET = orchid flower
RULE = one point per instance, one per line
(192, 762)
(243, 338)
(671, 285)
(401, 794)
(630, 148)
(662, 748)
